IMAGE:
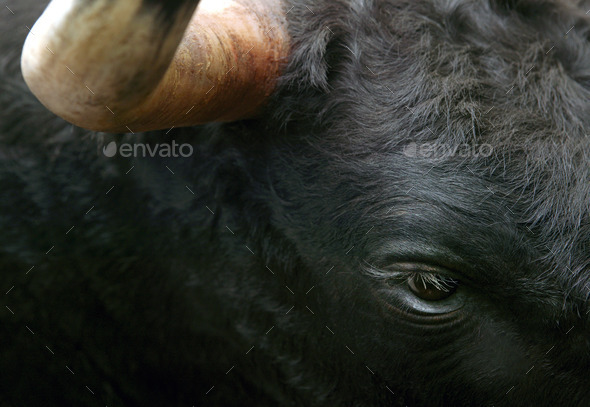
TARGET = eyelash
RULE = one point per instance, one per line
(441, 283)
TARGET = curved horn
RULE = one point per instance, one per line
(130, 65)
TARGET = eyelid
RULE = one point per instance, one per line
(422, 267)
(405, 268)
(398, 296)
(417, 267)
(446, 260)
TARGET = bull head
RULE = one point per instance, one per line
(138, 65)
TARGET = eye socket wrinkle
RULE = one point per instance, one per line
(472, 266)
(417, 257)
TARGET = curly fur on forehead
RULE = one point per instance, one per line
(513, 75)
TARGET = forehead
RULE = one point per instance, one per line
(476, 132)
(415, 97)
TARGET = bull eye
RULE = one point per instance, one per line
(431, 287)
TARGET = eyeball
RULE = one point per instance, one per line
(431, 287)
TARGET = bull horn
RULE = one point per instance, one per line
(138, 65)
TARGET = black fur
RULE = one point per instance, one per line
(238, 276)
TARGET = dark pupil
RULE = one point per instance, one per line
(428, 291)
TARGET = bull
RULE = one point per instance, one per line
(329, 203)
